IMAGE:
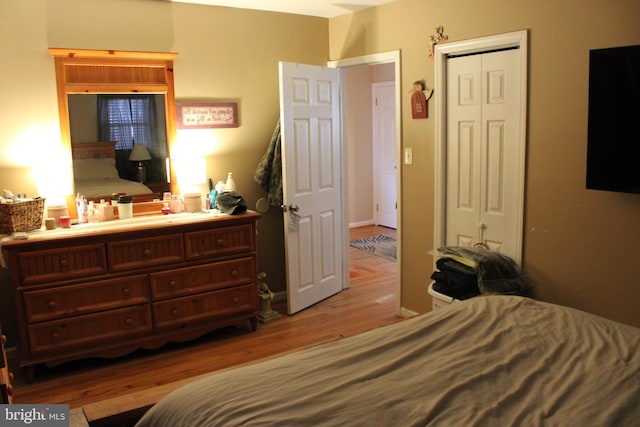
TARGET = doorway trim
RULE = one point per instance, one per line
(516, 39)
(372, 59)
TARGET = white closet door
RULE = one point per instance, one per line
(463, 150)
(484, 150)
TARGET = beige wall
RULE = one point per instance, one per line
(581, 247)
(224, 54)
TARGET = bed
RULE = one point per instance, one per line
(486, 361)
(96, 176)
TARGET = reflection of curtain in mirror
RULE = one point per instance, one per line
(129, 119)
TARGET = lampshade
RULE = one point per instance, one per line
(139, 153)
(191, 170)
(54, 181)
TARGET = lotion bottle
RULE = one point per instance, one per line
(230, 185)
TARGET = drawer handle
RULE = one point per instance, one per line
(126, 291)
(52, 305)
(220, 242)
(146, 252)
(235, 300)
(55, 335)
(235, 272)
(64, 264)
(128, 321)
(175, 312)
(173, 284)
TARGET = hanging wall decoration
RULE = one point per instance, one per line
(419, 100)
(202, 115)
(435, 39)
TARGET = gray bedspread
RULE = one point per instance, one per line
(487, 361)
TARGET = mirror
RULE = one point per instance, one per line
(86, 79)
(89, 122)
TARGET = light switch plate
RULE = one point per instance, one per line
(408, 156)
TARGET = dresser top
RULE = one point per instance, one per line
(134, 224)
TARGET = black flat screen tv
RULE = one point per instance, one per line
(613, 147)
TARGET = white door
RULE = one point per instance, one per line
(385, 169)
(483, 151)
(311, 155)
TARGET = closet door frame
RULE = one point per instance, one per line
(516, 39)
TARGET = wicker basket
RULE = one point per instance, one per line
(21, 216)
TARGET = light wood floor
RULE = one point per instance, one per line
(368, 304)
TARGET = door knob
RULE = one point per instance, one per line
(293, 207)
(294, 217)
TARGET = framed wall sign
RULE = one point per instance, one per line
(204, 115)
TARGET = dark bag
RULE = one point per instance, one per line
(231, 202)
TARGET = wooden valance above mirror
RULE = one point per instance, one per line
(84, 71)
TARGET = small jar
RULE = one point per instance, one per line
(165, 208)
(192, 202)
(125, 207)
(176, 204)
(56, 211)
(65, 221)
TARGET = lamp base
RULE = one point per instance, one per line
(141, 173)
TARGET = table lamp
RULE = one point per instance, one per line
(139, 154)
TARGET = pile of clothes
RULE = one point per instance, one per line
(464, 273)
(455, 279)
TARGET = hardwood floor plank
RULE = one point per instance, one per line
(369, 303)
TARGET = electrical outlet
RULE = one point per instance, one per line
(408, 156)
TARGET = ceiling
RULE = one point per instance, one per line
(321, 8)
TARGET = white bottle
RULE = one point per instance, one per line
(230, 185)
(221, 187)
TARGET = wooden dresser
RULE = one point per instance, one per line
(103, 290)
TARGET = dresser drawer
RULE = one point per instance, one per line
(62, 264)
(64, 301)
(219, 241)
(112, 327)
(186, 311)
(208, 277)
(142, 253)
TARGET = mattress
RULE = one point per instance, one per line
(486, 361)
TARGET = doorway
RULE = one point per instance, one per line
(377, 67)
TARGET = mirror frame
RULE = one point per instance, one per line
(109, 71)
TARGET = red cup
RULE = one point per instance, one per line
(65, 221)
